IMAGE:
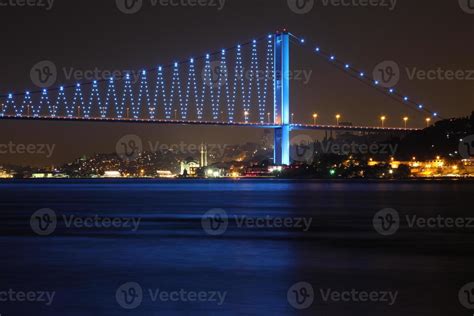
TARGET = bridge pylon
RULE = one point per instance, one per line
(282, 99)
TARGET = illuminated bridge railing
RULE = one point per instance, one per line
(234, 84)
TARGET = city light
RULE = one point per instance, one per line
(383, 118)
(315, 117)
(338, 117)
(405, 120)
(428, 121)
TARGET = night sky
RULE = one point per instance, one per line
(87, 34)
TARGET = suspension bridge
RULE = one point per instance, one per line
(245, 85)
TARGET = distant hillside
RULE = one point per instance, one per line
(441, 139)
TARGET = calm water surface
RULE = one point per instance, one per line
(253, 266)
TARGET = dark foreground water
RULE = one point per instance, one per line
(59, 255)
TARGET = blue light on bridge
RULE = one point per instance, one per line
(220, 86)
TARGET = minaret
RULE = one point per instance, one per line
(203, 161)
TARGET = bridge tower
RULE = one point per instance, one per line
(281, 154)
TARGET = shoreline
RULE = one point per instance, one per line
(243, 179)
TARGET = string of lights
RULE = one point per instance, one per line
(213, 89)
(44, 102)
(364, 77)
(165, 97)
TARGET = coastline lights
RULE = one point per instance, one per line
(383, 118)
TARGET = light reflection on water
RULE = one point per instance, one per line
(255, 266)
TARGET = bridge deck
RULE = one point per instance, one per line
(211, 123)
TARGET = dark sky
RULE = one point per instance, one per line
(89, 34)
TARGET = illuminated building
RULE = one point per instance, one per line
(112, 174)
(189, 167)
